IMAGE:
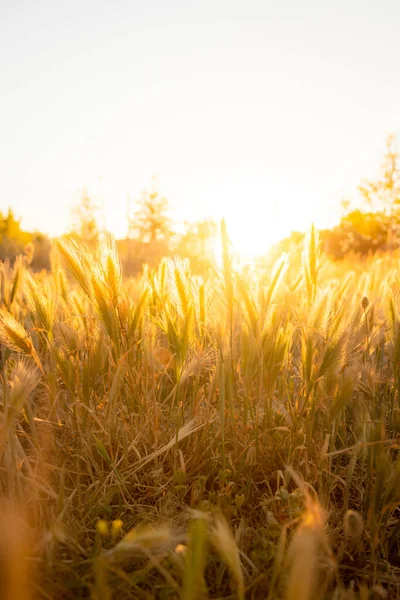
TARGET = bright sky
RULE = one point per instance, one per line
(266, 112)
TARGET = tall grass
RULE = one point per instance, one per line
(172, 437)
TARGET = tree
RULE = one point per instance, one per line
(12, 238)
(85, 222)
(150, 221)
(383, 195)
(14, 241)
(360, 232)
(196, 243)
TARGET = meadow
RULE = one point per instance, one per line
(177, 437)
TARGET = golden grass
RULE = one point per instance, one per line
(168, 437)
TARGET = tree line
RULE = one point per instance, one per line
(368, 224)
(150, 235)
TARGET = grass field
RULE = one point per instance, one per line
(168, 437)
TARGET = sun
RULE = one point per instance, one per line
(254, 229)
(252, 239)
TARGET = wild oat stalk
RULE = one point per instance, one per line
(311, 263)
(42, 304)
(227, 273)
(15, 337)
(23, 380)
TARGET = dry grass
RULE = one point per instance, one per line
(170, 437)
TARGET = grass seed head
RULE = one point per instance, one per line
(353, 524)
(364, 303)
(13, 334)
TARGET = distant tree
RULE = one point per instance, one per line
(204, 231)
(12, 238)
(41, 252)
(85, 224)
(14, 241)
(150, 235)
(196, 243)
(359, 232)
(383, 195)
(376, 224)
(150, 222)
(345, 205)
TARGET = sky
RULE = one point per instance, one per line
(265, 112)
